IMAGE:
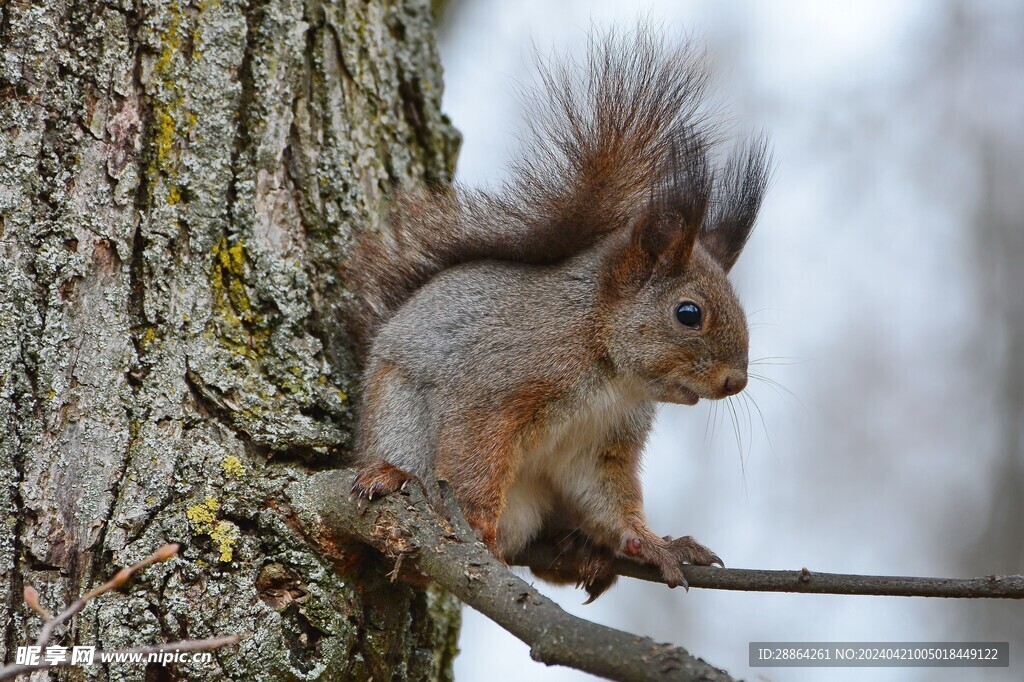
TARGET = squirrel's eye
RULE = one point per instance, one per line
(688, 314)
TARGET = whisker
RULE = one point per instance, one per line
(760, 310)
(775, 385)
(760, 414)
(714, 420)
(785, 360)
(739, 445)
(750, 427)
(736, 432)
(707, 423)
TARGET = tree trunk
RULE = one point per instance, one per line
(178, 182)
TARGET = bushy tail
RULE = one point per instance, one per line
(597, 138)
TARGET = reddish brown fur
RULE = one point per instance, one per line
(481, 453)
(620, 471)
(373, 407)
(379, 479)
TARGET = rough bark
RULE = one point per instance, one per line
(178, 181)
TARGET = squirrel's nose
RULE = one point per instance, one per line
(735, 381)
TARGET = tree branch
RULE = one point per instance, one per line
(405, 525)
(546, 557)
(447, 550)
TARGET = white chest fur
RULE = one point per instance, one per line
(562, 466)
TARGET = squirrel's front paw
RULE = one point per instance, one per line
(689, 551)
(671, 555)
(379, 479)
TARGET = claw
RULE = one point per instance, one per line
(593, 593)
(679, 581)
(679, 553)
(598, 586)
(379, 480)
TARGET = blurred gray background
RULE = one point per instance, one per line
(886, 285)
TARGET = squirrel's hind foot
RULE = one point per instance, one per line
(596, 572)
(592, 565)
(379, 479)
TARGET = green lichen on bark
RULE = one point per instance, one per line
(178, 182)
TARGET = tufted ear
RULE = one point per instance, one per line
(737, 199)
(667, 227)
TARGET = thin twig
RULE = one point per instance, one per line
(446, 550)
(31, 597)
(164, 553)
(50, 623)
(547, 557)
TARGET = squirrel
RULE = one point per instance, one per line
(520, 338)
